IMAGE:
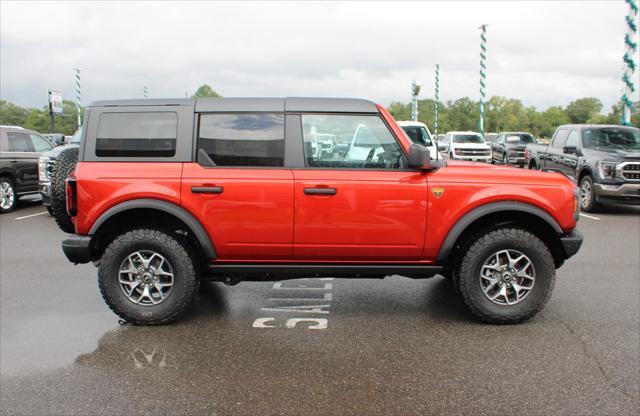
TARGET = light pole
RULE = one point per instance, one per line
(145, 91)
(483, 75)
(78, 96)
(631, 46)
(436, 104)
(415, 90)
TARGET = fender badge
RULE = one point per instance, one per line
(437, 192)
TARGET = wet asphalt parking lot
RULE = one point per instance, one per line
(393, 346)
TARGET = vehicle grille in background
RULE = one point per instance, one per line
(50, 166)
(631, 171)
(471, 152)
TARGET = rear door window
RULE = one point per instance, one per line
(40, 144)
(238, 140)
(19, 142)
(141, 134)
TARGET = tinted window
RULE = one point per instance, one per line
(19, 142)
(418, 135)
(137, 135)
(243, 139)
(611, 138)
(572, 140)
(361, 142)
(467, 138)
(521, 138)
(559, 139)
(40, 144)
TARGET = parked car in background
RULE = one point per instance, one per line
(419, 134)
(509, 148)
(603, 159)
(327, 143)
(466, 145)
(46, 163)
(490, 137)
(57, 139)
(19, 152)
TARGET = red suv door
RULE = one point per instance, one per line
(359, 205)
(239, 188)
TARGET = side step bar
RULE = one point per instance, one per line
(294, 271)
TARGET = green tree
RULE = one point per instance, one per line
(462, 114)
(552, 117)
(11, 114)
(205, 91)
(400, 111)
(581, 110)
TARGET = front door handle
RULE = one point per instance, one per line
(320, 191)
(207, 189)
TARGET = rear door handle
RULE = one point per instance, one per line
(320, 191)
(207, 189)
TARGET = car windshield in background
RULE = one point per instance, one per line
(521, 138)
(611, 138)
(467, 138)
(76, 136)
(418, 135)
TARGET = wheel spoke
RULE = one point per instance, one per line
(507, 277)
(146, 277)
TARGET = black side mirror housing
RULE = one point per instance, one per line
(570, 150)
(419, 157)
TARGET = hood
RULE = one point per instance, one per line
(614, 154)
(55, 152)
(482, 146)
(515, 146)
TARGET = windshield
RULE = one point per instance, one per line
(467, 138)
(520, 138)
(418, 135)
(76, 136)
(611, 138)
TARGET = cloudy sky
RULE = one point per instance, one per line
(544, 53)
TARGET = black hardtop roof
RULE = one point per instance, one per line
(257, 104)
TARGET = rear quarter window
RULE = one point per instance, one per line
(139, 134)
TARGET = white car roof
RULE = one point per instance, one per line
(463, 132)
(411, 123)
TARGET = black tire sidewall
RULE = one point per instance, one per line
(184, 277)
(544, 273)
(15, 197)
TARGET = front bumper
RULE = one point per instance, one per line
(513, 160)
(486, 159)
(77, 248)
(626, 193)
(571, 242)
(45, 192)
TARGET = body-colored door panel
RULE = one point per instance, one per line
(361, 214)
(248, 213)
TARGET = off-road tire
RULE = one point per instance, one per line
(477, 249)
(185, 285)
(65, 164)
(12, 186)
(593, 205)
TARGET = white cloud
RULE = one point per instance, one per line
(545, 53)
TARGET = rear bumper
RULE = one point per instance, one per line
(571, 243)
(627, 193)
(77, 248)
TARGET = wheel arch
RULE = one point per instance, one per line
(504, 213)
(150, 211)
(584, 171)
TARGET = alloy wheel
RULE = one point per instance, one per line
(146, 278)
(7, 195)
(507, 277)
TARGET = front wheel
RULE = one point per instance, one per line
(588, 201)
(505, 276)
(147, 277)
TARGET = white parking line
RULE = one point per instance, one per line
(32, 215)
(590, 216)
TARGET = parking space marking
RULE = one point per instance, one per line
(32, 215)
(590, 216)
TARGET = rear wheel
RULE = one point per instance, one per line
(65, 164)
(588, 201)
(505, 276)
(8, 196)
(147, 277)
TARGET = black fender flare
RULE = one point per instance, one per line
(479, 212)
(183, 215)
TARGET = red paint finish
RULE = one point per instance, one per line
(252, 218)
(102, 185)
(373, 215)
(401, 136)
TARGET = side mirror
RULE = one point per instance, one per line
(442, 147)
(419, 157)
(570, 150)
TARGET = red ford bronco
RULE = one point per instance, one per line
(167, 193)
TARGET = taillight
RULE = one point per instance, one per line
(71, 189)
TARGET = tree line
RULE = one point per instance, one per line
(501, 114)
(509, 114)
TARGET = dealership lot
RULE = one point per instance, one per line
(319, 346)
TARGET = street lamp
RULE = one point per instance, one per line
(415, 90)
